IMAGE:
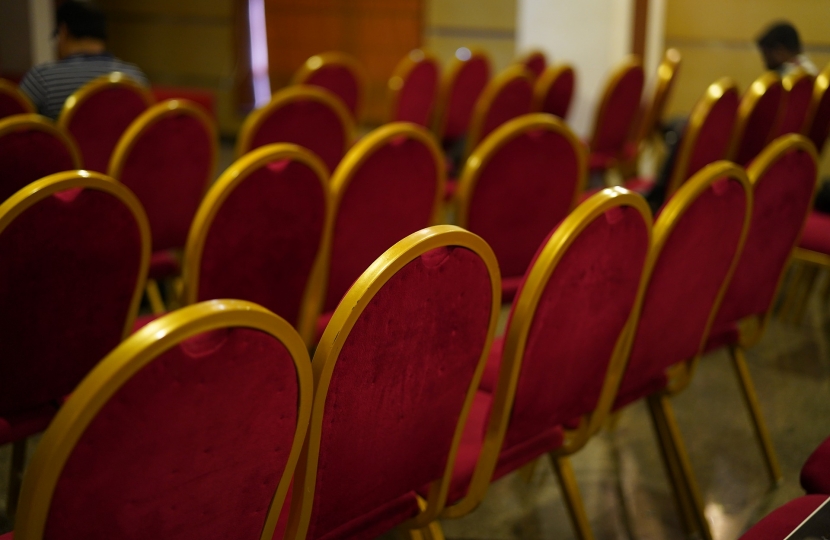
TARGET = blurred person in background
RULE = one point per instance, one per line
(781, 48)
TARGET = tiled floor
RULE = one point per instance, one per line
(626, 491)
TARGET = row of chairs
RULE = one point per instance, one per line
(410, 408)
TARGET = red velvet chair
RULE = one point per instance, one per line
(413, 88)
(535, 61)
(262, 234)
(798, 94)
(311, 117)
(517, 186)
(810, 257)
(697, 240)
(815, 474)
(191, 428)
(339, 73)
(13, 101)
(31, 147)
(396, 374)
(389, 185)
(74, 249)
(462, 84)
(779, 523)
(507, 96)
(817, 126)
(757, 117)
(554, 90)
(99, 113)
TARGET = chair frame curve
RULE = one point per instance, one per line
(747, 105)
(19, 122)
(10, 89)
(337, 58)
(819, 90)
(448, 82)
(523, 58)
(630, 63)
(80, 96)
(403, 69)
(789, 81)
(545, 81)
(666, 78)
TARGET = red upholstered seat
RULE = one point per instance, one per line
(757, 118)
(464, 81)
(798, 90)
(815, 474)
(188, 430)
(535, 61)
(413, 88)
(31, 147)
(818, 116)
(305, 115)
(554, 90)
(339, 73)
(508, 95)
(816, 235)
(779, 523)
(13, 101)
(163, 264)
(261, 235)
(98, 113)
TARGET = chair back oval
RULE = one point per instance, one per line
(617, 113)
(697, 240)
(517, 185)
(389, 185)
(167, 158)
(757, 116)
(191, 428)
(708, 133)
(31, 147)
(663, 84)
(13, 100)
(413, 88)
(261, 234)
(798, 94)
(308, 116)
(98, 113)
(554, 90)
(462, 84)
(396, 370)
(817, 126)
(507, 96)
(75, 250)
(535, 61)
(339, 73)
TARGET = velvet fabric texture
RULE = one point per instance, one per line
(560, 95)
(339, 80)
(29, 155)
(416, 97)
(782, 521)
(715, 135)
(535, 63)
(820, 123)
(815, 474)
(795, 106)
(513, 100)
(264, 239)
(684, 284)
(69, 272)
(168, 169)
(759, 125)
(9, 106)
(163, 264)
(309, 123)
(99, 121)
(616, 121)
(390, 196)
(464, 91)
(816, 236)
(192, 446)
(396, 393)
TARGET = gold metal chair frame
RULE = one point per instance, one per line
(124, 362)
(401, 73)
(447, 85)
(12, 90)
(630, 63)
(488, 96)
(502, 135)
(819, 89)
(336, 334)
(36, 122)
(748, 103)
(287, 96)
(790, 81)
(337, 58)
(221, 189)
(543, 83)
(80, 96)
(666, 77)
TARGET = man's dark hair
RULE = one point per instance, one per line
(781, 34)
(82, 20)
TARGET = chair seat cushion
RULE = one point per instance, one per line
(722, 337)
(816, 235)
(17, 426)
(378, 521)
(509, 287)
(450, 187)
(600, 162)
(7, 536)
(640, 185)
(163, 264)
(782, 521)
(815, 475)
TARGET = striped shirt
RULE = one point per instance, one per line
(48, 85)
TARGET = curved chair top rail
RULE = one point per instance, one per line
(546, 82)
(111, 80)
(403, 69)
(663, 84)
(753, 98)
(13, 92)
(36, 122)
(817, 125)
(631, 65)
(448, 81)
(534, 60)
(335, 59)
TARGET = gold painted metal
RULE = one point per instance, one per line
(401, 73)
(631, 63)
(36, 122)
(285, 97)
(748, 103)
(112, 80)
(666, 77)
(791, 80)
(336, 334)
(16, 466)
(447, 85)
(13, 91)
(335, 58)
(154, 297)
(573, 499)
(126, 360)
(546, 80)
(819, 90)
(221, 190)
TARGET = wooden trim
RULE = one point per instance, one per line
(640, 28)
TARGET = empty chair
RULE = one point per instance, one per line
(305, 115)
(396, 374)
(262, 234)
(817, 125)
(757, 117)
(31, 147)
(463, 82)
(554, 90)
(798, 94)
(784, 520)
(535, 61)
(74, 249)
(518, 184)
(413, 88)
(99, 112)
(339, 73)
(13, 100)
(192, 427)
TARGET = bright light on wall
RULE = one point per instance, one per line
(259, 52)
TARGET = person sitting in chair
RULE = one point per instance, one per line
(781, 49)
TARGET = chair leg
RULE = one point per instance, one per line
(154, 296)
(678, 466)
(18, 462)
(791, 291)
(432, 531)
(812, 274)
(526, 472)
(573, 500)
(752, 403)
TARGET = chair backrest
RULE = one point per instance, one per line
(708, 133)
(308, 116)
(191, 428)
(389, 185)
(798, 94)
(518, 184)
(74, 248)
(463, 82)
(13, 101)
(507, 96)
(783, 179)
(262, 234)
(817, 126)
(413, 88)
(99, 112)
(396, 372)
(339, 73)
(696, 244)
(31, 147)
(554, 90)
(757, 116)
(663, 84)
(618, 108)
(167, 158)
(535, 61)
